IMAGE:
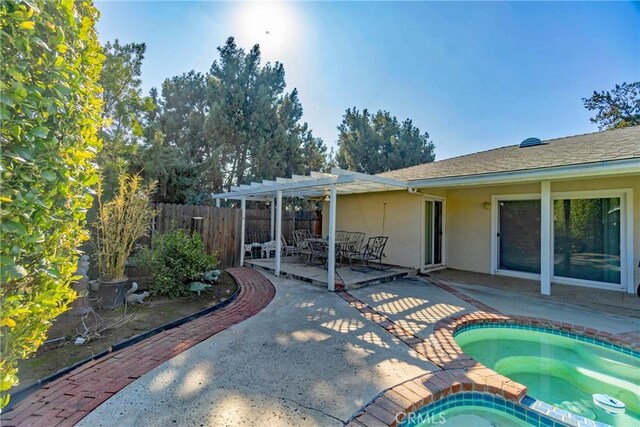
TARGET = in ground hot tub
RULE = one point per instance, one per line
(560, 368)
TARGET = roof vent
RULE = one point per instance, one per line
(530, 142)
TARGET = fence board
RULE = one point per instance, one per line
(220, 227)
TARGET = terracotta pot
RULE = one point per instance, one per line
(111, 293)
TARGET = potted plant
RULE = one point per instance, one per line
(120, 223)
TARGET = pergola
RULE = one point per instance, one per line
(317, 185)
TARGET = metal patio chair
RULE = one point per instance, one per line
(355, 239)
(300, 242)
(319, 251)
(372, 251)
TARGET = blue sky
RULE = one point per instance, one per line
(474, 75)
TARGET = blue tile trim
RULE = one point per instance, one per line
(557, 415)
(562, 333)
(486, 400)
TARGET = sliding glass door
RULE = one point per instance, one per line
(587, 237)
(433, 233)
(519, 235)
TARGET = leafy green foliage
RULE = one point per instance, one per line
(378, 143)
(173, 260)
(616, 109)
(50, 112)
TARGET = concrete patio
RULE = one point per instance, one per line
(352, 279)
(307, 359)
(496, 290)
(311, 359)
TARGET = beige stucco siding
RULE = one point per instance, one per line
(467, 220)
(395, 214)
(468, 225)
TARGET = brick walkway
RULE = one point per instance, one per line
(70, 398)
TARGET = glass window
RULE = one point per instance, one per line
(587, 239)
(519, 235)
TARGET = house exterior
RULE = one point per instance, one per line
(563, 211)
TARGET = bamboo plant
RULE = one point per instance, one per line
(120, 223)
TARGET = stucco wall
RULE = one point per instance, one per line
(468, 232)
(395, 214)
(467, 221)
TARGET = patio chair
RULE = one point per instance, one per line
(342, 235)
(288, 250)
(267, 248)
(300, 241)
(372, 251)
(319, 251)
(355, 239)
(248, 251)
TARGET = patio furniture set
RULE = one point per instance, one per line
(314, 249)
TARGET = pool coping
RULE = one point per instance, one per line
(460, 372)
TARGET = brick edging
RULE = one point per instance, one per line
(70, 398)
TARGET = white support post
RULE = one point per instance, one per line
(217, 203)
(278, 235)
(243, 208)
(273, 206)
(546, 222)
(331, 270)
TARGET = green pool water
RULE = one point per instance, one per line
(562, 371)
(471, 416)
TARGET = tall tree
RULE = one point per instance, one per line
(177, 151)
(253, 123)
(378, 143)
(205, 133)
(617, 108)
(123, 109)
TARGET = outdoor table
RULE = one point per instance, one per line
(339, 243)
(326, 240)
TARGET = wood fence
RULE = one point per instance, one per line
(220, 227)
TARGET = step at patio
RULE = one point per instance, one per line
(318, 276)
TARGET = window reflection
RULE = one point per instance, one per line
(587, 239)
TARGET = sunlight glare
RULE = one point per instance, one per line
(273, 25)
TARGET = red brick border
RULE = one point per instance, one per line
(70, 398)
(460, 372)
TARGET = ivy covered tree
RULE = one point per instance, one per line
(50, 111)
(617, 108)
(374, 143)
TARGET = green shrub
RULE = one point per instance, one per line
(173, 260)
(50, 111)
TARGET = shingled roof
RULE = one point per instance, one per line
(617, 144)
